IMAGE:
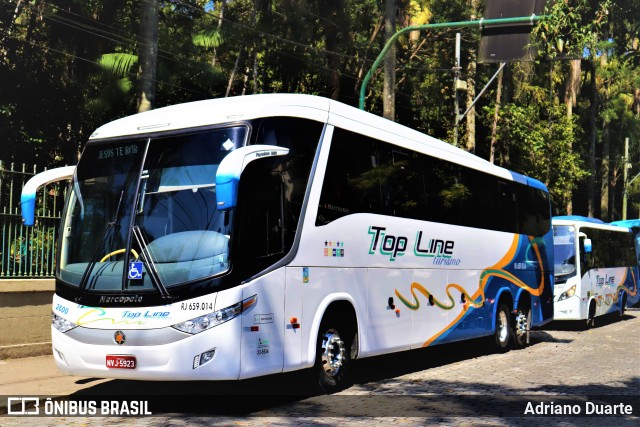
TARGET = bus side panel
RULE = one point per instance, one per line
(263, 326)
(542, 301)
(324, 286)
(389, 323)
(297, 278)
(605, 286)
(428, 286)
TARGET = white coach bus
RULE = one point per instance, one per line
(595, 268)
(238, 237)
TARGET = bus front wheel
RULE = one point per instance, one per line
(333, 356)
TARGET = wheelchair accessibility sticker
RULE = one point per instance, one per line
(135, 270)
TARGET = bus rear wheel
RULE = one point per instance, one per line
(623, 305)
(591, 319)
(521, 327)
(502, 334)
(333, 356)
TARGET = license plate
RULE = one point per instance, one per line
(116, 361)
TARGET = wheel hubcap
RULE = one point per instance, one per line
(503, 330)
(333, 352)
(521, 324)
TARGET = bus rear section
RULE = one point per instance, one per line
(594, 268)
(633, 299)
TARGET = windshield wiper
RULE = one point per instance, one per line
(94, 259)
(145, 255)
(111, 225)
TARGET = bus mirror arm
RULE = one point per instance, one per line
(231, 167)
(28, 197)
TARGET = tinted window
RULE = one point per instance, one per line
(610, 248)
(367, 175)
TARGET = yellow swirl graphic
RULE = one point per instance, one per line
(477, 299)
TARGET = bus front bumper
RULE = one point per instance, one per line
(210, 355)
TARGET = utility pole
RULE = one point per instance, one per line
(625, 176)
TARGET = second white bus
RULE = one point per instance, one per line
(595, 269)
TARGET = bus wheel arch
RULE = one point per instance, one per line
(336, 345)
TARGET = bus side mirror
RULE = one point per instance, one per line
(588, 248)
(28, 197)
(231, 167)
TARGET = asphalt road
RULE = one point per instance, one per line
(586, 374)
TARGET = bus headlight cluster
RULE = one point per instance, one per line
(211, 320)
(568, 293)
(61, 324)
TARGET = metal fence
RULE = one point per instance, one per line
(28, 252)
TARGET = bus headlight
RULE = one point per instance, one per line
(211, 320)
(568, 293)
(61, 324)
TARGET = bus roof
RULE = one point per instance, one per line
(582, 221)
(199, 114)
(629, 223)
(579, 218)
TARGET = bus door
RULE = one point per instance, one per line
(589, 289)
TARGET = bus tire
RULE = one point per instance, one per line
(591, 318)
(502, 335)
(521, 327)
(333, 355)
(623, 305)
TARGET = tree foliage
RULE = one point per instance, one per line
(70, 65)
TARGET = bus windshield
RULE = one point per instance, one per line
(142, 213)
(564, 252)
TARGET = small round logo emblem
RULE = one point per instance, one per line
(119, 337)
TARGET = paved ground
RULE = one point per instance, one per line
(459, 384)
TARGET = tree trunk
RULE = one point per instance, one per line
(234, 71)
(332, 11)
(223, 5)
(571, 90)
(361, 69)
(471, 94)
(147, 55)
(471, 86)
(388, 95)
(604, 174)
(496, 116)
(7, 33)
(591, 183)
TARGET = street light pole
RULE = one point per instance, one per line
(442, 25)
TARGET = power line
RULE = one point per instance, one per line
(83, 59)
